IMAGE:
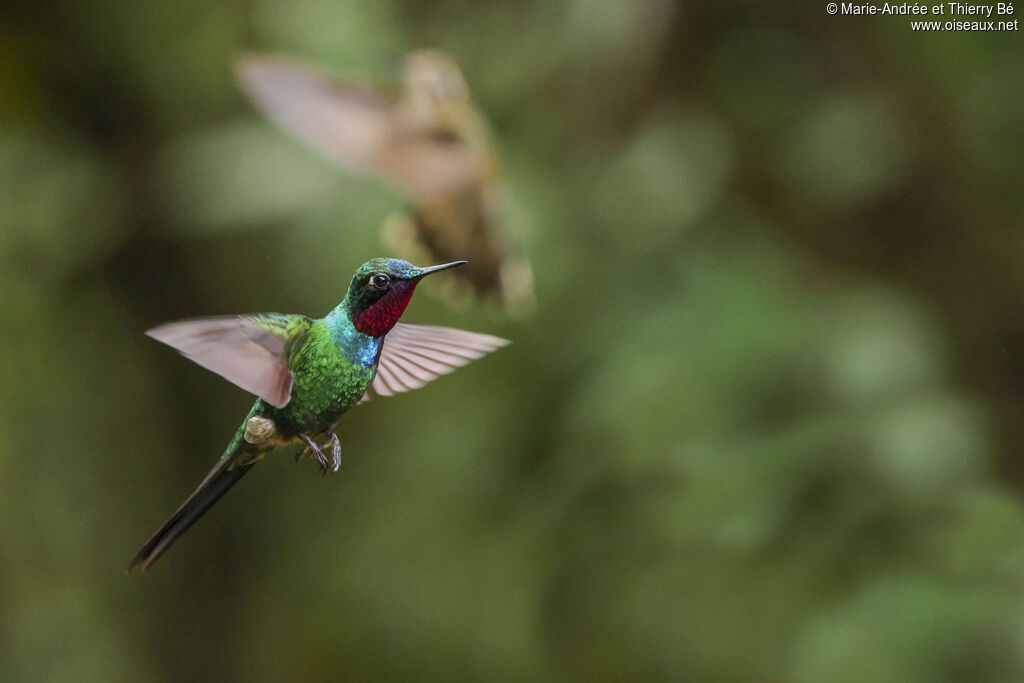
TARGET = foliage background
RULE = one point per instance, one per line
(766, 425)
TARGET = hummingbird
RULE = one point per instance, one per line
(306, 372)
(429, 142)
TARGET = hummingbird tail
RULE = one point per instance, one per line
(208, 493)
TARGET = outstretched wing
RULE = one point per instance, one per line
(250, 351)
(347, 124)
(413, 355)
(352, 126)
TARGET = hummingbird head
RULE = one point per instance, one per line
(433, 79)
(380, 291)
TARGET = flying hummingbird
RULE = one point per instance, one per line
(307, 372)
(429, 142)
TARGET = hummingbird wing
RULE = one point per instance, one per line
(249, 351)
(354, 127)
(345, 123)
(413, 355)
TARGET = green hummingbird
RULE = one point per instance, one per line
(430, 142)
(307, 372)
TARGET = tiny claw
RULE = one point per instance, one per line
(335, 452)
(311, 446)
(332, 465)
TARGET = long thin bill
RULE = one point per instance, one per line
(443, 266)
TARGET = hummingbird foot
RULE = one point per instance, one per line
(312, 448)
(318, 453)
(335, 452)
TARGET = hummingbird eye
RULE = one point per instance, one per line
(379, 281)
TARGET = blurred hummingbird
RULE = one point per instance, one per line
(307, 372)
(429, 142)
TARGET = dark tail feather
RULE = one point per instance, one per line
(208, 493)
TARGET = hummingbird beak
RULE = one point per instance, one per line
(443, 266)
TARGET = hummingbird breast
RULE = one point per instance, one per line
(328, 380)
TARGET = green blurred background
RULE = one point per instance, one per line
(765, 426)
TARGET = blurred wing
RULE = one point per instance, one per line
(346, 124)
(355, 127)
(413, 355)
(248, 351)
